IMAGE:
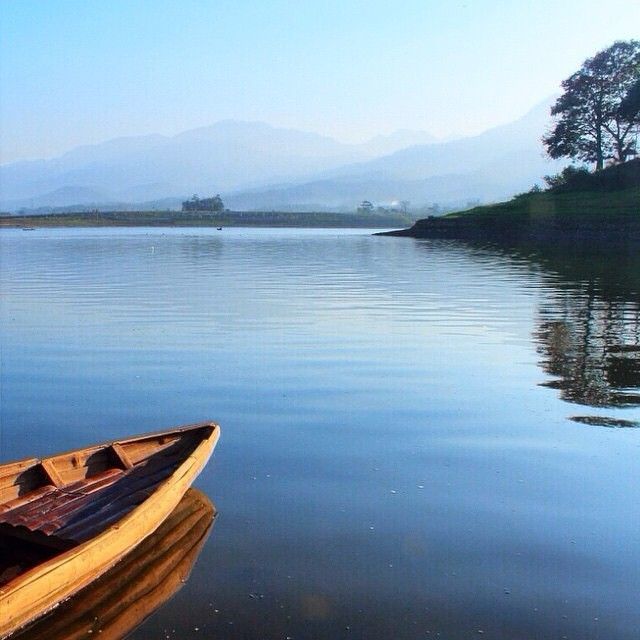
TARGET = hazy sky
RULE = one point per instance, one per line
(82, 71)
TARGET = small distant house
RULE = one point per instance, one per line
(365, 207)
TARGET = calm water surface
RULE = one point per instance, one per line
(419, 439)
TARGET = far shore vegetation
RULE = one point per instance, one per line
(199, 218)
(214, 205)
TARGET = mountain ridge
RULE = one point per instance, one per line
(257, 166)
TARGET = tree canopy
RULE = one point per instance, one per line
(597, 117)
(195, 203)
(630, 106)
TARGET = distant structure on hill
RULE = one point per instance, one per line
(365, 207)
(215, 204)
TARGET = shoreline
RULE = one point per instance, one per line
(179, 219)
(609, 218)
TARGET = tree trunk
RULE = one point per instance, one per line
(599, 154)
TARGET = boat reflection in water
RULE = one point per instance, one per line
(124, 597)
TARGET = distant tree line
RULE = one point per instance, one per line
(366, 207)
(215, 204)
(598, 115)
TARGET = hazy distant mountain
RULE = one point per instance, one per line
(464, 154)
(256, 166)
(385, 144)
(64, 195)
(72, 199)
(228, 155)
(491, 166)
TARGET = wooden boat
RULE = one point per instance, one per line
(125, 596)
(66, 519)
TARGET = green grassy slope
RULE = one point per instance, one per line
(549, 203)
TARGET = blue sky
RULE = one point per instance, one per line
(81, 71)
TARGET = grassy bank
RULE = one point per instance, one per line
(203, 219)
(531, 207)
(601, 207)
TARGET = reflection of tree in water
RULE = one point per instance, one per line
(588, 327)
(591, 344)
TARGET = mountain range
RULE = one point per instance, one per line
(257, 166)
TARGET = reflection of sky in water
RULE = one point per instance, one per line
(389, 461)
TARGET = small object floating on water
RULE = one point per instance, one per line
(67, 519)
(28, 228)
(219, 228)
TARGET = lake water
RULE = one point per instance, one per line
(420, 439)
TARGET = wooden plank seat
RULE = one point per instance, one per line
(62, 515)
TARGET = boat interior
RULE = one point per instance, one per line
(50, 505)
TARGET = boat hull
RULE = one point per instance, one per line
(142, 582)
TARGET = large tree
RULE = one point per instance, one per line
(592, 123)
(630, 106)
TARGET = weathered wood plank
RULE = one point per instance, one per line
(52, 473)
(122, 455)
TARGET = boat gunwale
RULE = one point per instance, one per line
(34, 461)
